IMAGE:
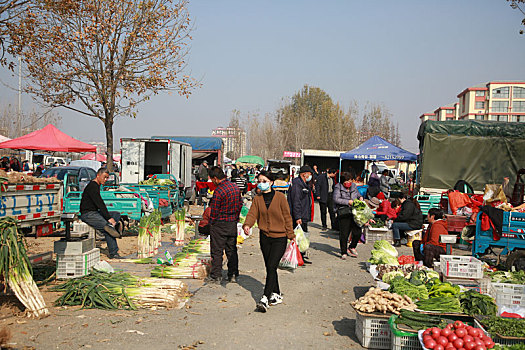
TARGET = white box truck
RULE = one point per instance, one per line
(143, 157)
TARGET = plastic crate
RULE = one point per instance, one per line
(376, 234)
(373, 332)
(78, 265)
(507, 294)
(455, 223)
(498, 340)
(401, 339)
(485, 285)
(461, 266)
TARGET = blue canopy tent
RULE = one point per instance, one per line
(377, 149)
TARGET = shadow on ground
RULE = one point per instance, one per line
(359, 291)
(255, 287)
(325, 248)
(346, 327)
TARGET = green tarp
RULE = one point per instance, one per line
(478, 152)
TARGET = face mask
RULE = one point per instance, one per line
(263, 186)
(309, 178)
(347, 184)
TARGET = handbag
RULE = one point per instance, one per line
(343, 211)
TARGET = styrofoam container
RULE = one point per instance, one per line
(373, 332)
(448, 238)
(461, 266)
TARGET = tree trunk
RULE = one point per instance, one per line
(108, 124)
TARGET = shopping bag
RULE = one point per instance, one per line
(362, 216)
(300, 261)
(289, 259)
(302, 241)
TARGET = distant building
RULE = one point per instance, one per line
(234, 140)
(495, 100)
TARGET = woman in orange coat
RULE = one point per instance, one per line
(430, 248)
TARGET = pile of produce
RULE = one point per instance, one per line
(506, 327)
(418, 321)
(401, 286)
(406, 259)
(509, 347)
(456, 335)
(514, 277)
(474, 303)
(443, 304)
(101, 290)
(14, 177)
(180, 217)
(192, 262)
(15, 269)
(383, 253)
(426, 277)
(158, 182)
(445, 289)
(381, 301)
(383, 269)
(362, 213)
(149, 238)
(378, 223)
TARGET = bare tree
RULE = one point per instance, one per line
(518, 5)
(9, 12)
(102, 58)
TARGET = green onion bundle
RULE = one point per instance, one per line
(180, 216)
(149, 235)
(192, 262)
(103, 290)
(15, 268)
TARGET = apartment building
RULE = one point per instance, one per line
(233, 139)
(495, 100)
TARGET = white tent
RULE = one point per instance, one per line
(3, 138)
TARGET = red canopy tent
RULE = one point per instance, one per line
(48, 139)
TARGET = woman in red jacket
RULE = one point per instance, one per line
(430, 248)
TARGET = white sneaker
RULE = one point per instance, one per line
(262, 305)
(276, 299)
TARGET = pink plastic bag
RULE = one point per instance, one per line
(289, 259)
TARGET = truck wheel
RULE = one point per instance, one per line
(517, 260)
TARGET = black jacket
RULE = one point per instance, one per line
(299, 199)
(321, 188)
(92, 201)
(410, 214)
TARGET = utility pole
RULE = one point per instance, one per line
(19, 96)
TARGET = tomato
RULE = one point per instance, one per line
(479, 342)
(469, 345)
(430, 344)
(459, 324)
(426, 332)
(480, 347)
(468, 339)
(446, 332)
(450, 326)
(439, 347)
(458, 343)
(436, 333)
(473, 332)
(442, 341)
(485, 338)
(452, 337)
(489, 344)
(427, 338)
(450, 346)
(461, 332)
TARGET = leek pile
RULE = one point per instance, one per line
(149, 238)
(102, 290)
(192, 262)
(180, 217)
(15, 269)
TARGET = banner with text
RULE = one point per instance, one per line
(288, 154)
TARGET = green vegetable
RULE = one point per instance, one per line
(514, 277)
(378, 223)
(440, 304)
(359, 205)
(389, 276)
(385, 246)
(418, 321)
(401, 286)
(362, 213)
(382, 257)
(507, 327)
(443, 289)
(474, 303)
(509, 347)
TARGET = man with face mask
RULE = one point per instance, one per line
(300, 198)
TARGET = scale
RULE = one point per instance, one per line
(69, 245)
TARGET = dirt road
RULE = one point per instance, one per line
(316, 312)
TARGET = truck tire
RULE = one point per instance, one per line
(516, 259)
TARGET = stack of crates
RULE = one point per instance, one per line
(377, 234)
(461, 266)
(507, 294)
(77, 264)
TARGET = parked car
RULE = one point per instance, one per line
(82, 175)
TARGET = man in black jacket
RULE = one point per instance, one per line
(409, 218)
(93, 211)
(324, 188)
(299, 198)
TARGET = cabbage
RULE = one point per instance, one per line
(362, 215)
(389, 276)
(386, 247)
(382, 257)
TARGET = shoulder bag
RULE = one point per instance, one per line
(344, 211)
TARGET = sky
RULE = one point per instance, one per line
(409, 56)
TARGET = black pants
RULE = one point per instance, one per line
(272, 250)
(347, 227)
(223, 236)
(430, 252)
(330, 206)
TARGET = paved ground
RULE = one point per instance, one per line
(316, 312)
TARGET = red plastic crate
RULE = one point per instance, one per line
(456, 223)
